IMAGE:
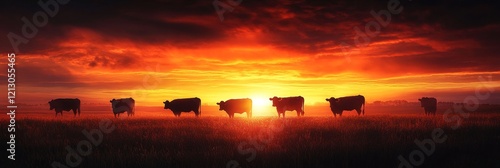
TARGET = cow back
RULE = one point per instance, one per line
(238, 105)
(123, 105)
(291, 103)
(349, 103)
(185, 105)
(66, 104)
(429, 102)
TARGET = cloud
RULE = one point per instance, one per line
(106, 48)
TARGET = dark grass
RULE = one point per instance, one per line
(368, 141)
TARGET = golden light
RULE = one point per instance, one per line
(261, 105)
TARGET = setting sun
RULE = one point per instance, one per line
(261, 105)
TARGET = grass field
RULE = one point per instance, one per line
(350, 141)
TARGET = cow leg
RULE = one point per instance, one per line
(283, 114)
(298, 113)
(359, 111)
(115, 115)
(335, 115)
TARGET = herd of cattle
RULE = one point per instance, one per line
(232, 106)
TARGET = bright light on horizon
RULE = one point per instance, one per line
(261, 105)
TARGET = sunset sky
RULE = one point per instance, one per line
(159, 50)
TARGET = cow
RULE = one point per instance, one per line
(284, 104)
(123, 105)
(338, 105)
(184, 105)
(240, 106)
(429, 104)
(61, 105)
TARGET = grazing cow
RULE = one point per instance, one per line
(429, 104)
(283, 104)
(66, 105)
(184, 105)
(347, 103)
(240, 106)
(123, 105)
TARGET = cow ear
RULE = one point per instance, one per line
(327, 99)
(270, 98)
(218, 103)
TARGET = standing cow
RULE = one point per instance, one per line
(184, 105)
(284, 104)
(65, 105)
(123, 105)
(429, 104)
(240, 106)
(347, 103)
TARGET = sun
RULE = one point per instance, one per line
(261, 105)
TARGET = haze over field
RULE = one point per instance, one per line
(165, 50)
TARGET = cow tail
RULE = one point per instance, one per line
(364, 102)
(302, 109)
(199, 109)
(78, 110)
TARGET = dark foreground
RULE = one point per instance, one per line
(368, 141)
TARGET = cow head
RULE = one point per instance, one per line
(52, 104)
(113, 102)
(167, 104)
(275, 100)
(333, 101)
(334, 104)
(222, 105)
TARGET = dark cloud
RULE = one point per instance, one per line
(309, 27)
(46, 75)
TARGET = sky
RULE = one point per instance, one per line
(157, 50)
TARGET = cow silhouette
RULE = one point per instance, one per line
(123, 105)
(61, 105)
(240, 106)
(184, 105)
(284, 104)
(338, 105)
(429, 104)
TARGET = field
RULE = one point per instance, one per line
(374, 140)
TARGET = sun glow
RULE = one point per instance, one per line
(261, 105)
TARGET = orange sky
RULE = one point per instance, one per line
(258, 53)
